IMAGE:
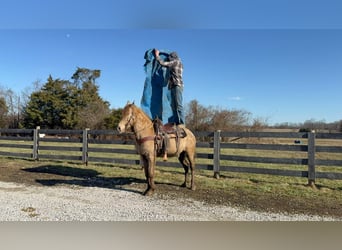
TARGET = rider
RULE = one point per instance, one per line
(175, 84)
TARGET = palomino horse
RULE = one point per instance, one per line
(135, 120)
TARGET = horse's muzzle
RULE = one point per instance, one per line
(118, 129)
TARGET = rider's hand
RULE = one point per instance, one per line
(156, 52)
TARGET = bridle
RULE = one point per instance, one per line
(129, 124)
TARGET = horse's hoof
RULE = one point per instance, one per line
(193, 188)
(183, 185)
(148, 192)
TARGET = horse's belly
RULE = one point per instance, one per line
(172, 149)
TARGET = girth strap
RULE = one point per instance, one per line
(145, 139)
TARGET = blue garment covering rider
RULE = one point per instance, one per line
(156, 98)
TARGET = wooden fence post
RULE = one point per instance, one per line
(311, 159)
(85, 146)
(35, 153)
(217, 152)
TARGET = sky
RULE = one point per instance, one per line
(280, 60)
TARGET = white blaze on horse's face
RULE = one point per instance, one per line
(126, 121)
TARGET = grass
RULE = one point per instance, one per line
(258, 192)
(172, 174)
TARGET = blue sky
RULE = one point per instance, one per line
(280, 61)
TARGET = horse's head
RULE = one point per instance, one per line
(127, 120)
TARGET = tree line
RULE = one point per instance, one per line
(312, 124)
(76, 104)
(59, 104)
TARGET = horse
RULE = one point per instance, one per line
(136, 121)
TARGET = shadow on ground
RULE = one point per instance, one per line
(63, 175)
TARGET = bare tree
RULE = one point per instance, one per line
(3, 113)
(200, 118)
(197, 116)
(11, 103)
(258, 124)
(93, 115)
(232, 120)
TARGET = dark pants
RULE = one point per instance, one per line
(177, 105)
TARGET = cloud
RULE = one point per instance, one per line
(235, 98)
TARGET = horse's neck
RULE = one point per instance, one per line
(143, 125)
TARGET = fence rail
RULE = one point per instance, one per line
(217, 151)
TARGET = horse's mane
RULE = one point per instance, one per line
(140, 114)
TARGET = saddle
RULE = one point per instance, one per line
(164, 132)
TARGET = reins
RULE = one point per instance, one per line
(144, 139)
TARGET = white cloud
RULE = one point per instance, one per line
(235, 98)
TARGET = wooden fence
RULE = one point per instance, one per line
(289, 153)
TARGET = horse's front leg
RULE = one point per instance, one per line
(149, 165)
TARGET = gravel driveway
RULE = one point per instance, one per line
(74, 203)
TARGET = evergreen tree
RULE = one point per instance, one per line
(51, 106)
(113, 119)
(61, 104)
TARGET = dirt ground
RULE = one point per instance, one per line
(49, 176)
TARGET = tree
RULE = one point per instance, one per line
(200, 118)
(92, 109)
(197, 116)
(258, 124)
(51, 106)
(232, 120)
(113, 119)
(85, 76)
(3, 112)
(11, 108)
(61, 104)
(313, 124)
(93, 115)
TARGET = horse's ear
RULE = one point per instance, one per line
(129, 103)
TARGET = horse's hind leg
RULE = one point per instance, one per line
(191, 159)
(193, 187)
(188, 161)
(182, 160)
